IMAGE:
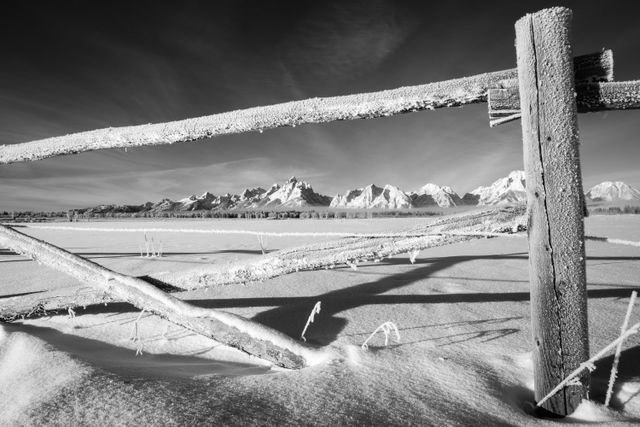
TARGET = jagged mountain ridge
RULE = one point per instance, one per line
(432, 194)
(292, 194)
(510, 189)
(610, 191)
(372, 196)
(295, 193)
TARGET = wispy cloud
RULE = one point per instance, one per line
(345, 40)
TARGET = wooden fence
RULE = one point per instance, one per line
(546, 91)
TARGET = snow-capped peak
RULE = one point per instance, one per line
(372, 196)
(509, 189)
(392, 198)
(430, 194)
(613, 190)
(429, 188)
(293, 193)
(252, 193)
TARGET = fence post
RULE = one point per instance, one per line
(554, 204)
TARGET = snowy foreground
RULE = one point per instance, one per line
(462, 312)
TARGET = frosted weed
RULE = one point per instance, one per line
(386, 328)
(263, 246)
(135, 336)
(152, 248)
(616, 359)
(316, 310)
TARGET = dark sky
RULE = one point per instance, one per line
(81, 65)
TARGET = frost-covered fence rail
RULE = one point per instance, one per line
(450, 93)
(504, 103)
(226, 328)
(218, 231)
(332, 254)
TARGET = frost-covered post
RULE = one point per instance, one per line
(555, 205)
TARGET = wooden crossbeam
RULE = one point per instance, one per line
(504, 100)
(504, 103)
(450, 93)
(593, 67)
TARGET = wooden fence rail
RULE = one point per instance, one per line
(226, 328)
(451, 93)
(324, 255)
(504, 103)
(597, 67)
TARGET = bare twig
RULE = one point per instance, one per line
(589, 363)
(386, 328)
(616, 359)
(314, 311)
(262, 244)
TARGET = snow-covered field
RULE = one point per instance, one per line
(462, 312)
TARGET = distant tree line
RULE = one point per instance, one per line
(615, 210)
(75, 215)
(30, 216)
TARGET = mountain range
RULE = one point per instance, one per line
(294, 194)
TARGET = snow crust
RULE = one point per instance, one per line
(31, 373)
(462, 310)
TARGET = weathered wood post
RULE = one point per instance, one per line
(555, 204)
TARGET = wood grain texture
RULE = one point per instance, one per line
(554, 204)
(593, 67)
(504, 100)
(504, 103)
(608, 96)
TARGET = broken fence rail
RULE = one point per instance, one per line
(226, 328)
(323, 255)
(507, 233)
